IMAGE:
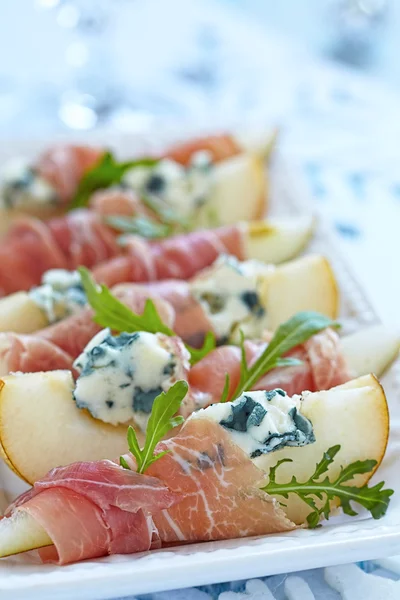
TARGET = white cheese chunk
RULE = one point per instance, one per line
(60, 295)
(121, 376)
(229, 292)
(262, 421)
(184, 189)
(21, 186)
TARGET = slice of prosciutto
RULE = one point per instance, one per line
(220, 147)
(322, 368)
(178, 257)
(32, 247)
(204, 488)
(64, 165)
(75, 332)
(92, 509)
(30, 353)
(220, 485)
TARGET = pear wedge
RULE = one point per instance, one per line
(19, 313)
(342, 415)
(21, 533)
(238, 192)
(307, 283)
(371, 350)
(41, 426)
(258, 141)
(277, 240)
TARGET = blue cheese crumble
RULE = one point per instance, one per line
(230, 294)
(121, 376)
(184, 189)
(60, 295)
(22, 186)
(262, 421)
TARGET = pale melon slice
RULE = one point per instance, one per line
(41, 426)
(355, 416)
(307, 283)
(19, 313)
(277, 240)
(371, 350)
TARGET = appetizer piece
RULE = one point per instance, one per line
(54, 181)
(202, 483)
(181, 257)
(229, 297)
(222, 298)
(80, 238)
(111, 394)
(43, 188)
(32, 353)
(201, 194)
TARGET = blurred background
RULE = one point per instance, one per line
(325, 71)
(80, 64)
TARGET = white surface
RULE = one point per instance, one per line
(349, 539)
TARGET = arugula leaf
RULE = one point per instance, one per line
(196, 354)
(375, 498)
(105, 173)
(297, 330)
(166, 213)
(110, 312)
(139, 226)
(225, 391)
(162, 419)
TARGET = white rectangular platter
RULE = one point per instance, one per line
(340, 541)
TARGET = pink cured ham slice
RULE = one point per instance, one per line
(83, 238)
(94, 509)
(30, 353)
(31, 247)
(220, 147)
(190, 323)
(117, 201)
(75, 332)
(178, 257)
(220, 485)
(323, 367)
(64, 165)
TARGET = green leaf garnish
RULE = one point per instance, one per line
(166, 213)
(196, 354)
(162, 419)
(110, 312)
(375, 499)
(142, 226)
(105, 173)
(225, 391)
(297, 330)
